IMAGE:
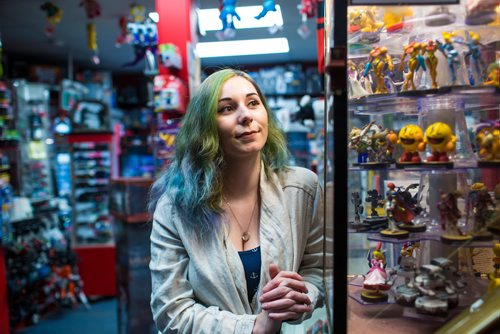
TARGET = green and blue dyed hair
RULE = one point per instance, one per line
(193, 180)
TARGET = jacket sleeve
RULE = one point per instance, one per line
(314, 257)
(173, 304)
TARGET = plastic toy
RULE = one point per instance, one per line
(395, 212)
(395, 16)
(358, 208)
(307, 10)
(409, 138)
(92, 8)
(493, 78)
(476, 67)
(374, 220)
(363, 20)
(380, 62)
(377, 279)
(415, 63)
(451, 54)
(267, 5)
(372, 144)
(431, 61)
(488, 141)
(355, 88)
(406, 207)
(480, 205)
(441, 140)
(449, 214)
(227, 16)
(54, 16)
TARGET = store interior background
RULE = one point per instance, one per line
(51, 262)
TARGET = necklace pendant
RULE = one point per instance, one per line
(245, 236)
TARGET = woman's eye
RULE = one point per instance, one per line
(253, 103)
(225, 109)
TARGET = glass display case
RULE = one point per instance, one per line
(412, 94)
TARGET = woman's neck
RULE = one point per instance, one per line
(241, 177)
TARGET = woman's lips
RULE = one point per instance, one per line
(246, 134)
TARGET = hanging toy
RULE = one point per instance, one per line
(267, 5)
(92, 42)
(123, 38)
(227, 15)
(137, 13)
(54, 15)
(92, 8)
(307, 10)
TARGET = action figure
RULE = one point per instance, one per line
(431, 61)
(393, 210)
(380, 62)
(415, 63)
(377, 279)
(476, 64)
(449, 214)
(451, 55)
(488, 140)
(227, 15)
(405, 294)
(363, 20)
(482, 206)
(358, 207)
(267, 5)
(409, 138)
(355, 89)
(441, 140)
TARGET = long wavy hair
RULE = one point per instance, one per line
(193, 180)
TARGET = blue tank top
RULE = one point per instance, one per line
(251, 264)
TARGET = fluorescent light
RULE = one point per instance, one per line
(154, 16)
(242, 47)
(208, 19)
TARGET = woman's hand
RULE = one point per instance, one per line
(284, 297)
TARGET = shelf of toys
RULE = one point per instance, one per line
(423, 105)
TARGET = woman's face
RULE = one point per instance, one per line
(241, 118)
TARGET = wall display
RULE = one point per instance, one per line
(90, 115)
(420, 146)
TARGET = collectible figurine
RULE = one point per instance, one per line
(415, 63)
(374, 221)
(406, 207)
(363, 20)
(380, 62)
(451, 55)
(405, 294)
(449, 214)
(431, 61)
(438, 284)
(358, 208)
(377, 279)
(409, 138)
(476, 69)
(488, 141)
(395, 18)
(481, 205)
(394, 212)
(493, 78)
(373, 145)
(227, 16)
(267, 5)
(355, 88)
(442, 142)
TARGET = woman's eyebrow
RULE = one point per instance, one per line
(229, 99)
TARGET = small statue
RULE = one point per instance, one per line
(393, 210)
(481, 204)
(363, 20)
(374, 145)
(451, 54)
(449, 214)
(358, 207)
(476, 69)
(409, 138)
(267, 6)
(405, 294)
(488, 141)
(380, 62)
(441, 140)
(377, 279)
(431, 61)
(415, 63)
(227, 15)
(355, 88)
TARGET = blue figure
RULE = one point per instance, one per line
(227, 15)
(476, 65)
(267, 5)
(450, 54)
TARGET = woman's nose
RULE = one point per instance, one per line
(245, 115)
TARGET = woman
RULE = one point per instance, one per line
(237, 239)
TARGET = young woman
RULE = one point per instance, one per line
(237, 239)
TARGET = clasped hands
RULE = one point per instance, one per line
(283, 298)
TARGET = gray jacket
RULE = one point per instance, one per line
(203, 289)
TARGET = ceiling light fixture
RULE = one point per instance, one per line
(208, 19)
(242, 47)
(154, 16)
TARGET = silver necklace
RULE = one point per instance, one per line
(245, 236)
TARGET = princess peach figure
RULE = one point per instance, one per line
(377, 279)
